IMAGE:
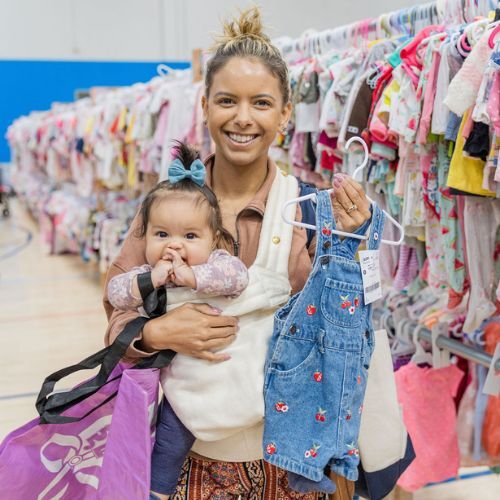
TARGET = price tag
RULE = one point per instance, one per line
(370, 271)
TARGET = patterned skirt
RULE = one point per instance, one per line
(257, 480)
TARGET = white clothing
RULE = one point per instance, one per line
(222, 404)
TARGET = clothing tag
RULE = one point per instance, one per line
(370, 271)
(492, 382)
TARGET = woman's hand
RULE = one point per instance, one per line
(196, 330)
(351, 208)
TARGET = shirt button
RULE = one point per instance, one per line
(327, 244)
(375, 236)
(293, 329)
(324, 261)
(276, 240)
(367, 334)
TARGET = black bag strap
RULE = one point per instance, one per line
(51, 405)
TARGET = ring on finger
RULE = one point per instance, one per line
(351, 208)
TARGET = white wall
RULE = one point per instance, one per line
(155, 29)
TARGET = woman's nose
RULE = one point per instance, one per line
(243, 117)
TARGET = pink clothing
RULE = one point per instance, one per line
(429, 413)
(464, 87)
(222, 274)
(429, 96)
(494, 104)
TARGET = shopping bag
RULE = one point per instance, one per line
(383, 436)
(98, 444)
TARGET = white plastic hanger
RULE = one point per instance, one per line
(312, 196)
(420, 355)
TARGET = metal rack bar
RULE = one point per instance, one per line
(456, 347)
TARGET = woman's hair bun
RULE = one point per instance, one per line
(248, 25)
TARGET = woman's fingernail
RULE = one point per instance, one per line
(337, 183)
(216, 310)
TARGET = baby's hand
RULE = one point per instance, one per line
(182, 274)
(161, 273)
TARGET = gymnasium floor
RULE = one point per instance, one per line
(51, 316)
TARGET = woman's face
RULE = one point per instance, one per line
(244, 110)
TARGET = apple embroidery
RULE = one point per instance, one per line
(349, 415)
(271, 449)
(311, 309)
(281, 407)
(318, 376)
(320, 416)
(313, 452)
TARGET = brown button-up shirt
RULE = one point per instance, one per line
(248, 223)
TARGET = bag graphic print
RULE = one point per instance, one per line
(93, 441)
(105, 455)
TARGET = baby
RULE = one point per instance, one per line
(186, 245)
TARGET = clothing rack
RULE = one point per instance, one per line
(405, 21)
(455, 347)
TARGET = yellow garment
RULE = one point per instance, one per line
(130, 129)
(122, 120)
(466, 173)
(131, 177)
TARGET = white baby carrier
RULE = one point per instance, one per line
(222, 404)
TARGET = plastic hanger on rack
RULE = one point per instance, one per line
(336, 231)
(420, 356)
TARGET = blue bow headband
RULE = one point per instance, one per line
(177, 172)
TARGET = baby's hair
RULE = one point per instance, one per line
(187, 155)
(245, 37)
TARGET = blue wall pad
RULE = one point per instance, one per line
(34, 85)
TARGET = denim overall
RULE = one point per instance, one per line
(318, 357)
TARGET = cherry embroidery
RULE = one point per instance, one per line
(353, 451)
(311, 309)
(313, 452)
(326, 231)
(345, 301)
(281, 407)
(271, 449)
(349, 415)
(320, 416)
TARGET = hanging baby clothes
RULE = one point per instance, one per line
(318, 359)
(430, 416)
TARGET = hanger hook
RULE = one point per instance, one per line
(365, 148)
(164, 69)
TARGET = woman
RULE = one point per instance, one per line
(246, 102)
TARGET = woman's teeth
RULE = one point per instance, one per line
(242, 139)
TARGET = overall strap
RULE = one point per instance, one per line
(325, 223)
(329, 243)
(376, 228)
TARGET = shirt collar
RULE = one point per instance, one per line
(258, 202)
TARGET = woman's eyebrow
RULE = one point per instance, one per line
(269, 96)
(225, 94)
(258, 96)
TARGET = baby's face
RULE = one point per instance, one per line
(180, 224)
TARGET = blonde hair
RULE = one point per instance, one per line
(244, 37)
